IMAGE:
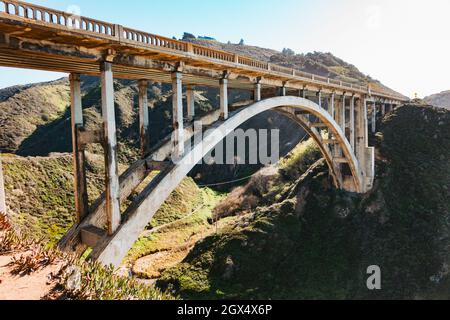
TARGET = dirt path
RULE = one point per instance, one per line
(30, 287)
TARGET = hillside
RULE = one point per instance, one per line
(314, 242)
(439, 99)
(39, 194)
(324, 64)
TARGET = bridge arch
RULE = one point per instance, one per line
(112, 249)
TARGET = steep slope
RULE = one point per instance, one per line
(439, 99)
(40, 197)
(315, 242)
(24, 109)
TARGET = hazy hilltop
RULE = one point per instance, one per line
(439, 99)
(324, 64)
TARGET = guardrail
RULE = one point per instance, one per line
(61, 19)
(55, 17)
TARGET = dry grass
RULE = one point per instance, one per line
(33, 260)
(95, 281)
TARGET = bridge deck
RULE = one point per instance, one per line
(36, 37)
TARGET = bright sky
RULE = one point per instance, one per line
(403, 43)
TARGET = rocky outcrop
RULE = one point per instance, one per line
(439, 99)
(317, 242)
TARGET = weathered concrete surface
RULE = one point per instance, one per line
(352, 123)
(177, 115)
(143, 117)
(110, 148)
(111, 250)
(190, 99)
(79, 158)
(224, 98)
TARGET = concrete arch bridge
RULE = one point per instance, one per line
(35, 37)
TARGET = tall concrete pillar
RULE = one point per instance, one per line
(352, 122)
(337, 151)
(2, 190)
(374, 118)
(283, 90)
(177, 115)
(303, 93)
(337, 111)
(361, 130)
(331, 105)
(383, 110)
(342, 109)
(143, 117)
(257, 92)
(224, 99)
(319, 97)
(112, 170)
(190, 97)
(79, 158)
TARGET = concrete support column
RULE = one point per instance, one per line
(361, 130)
(337, 151)
(331, 105)
(303, 93)
(352, 122)
(283, 91)
(342, 119)
(383, 110)
(374, 118)
(143, 117)
(190, 103)
(110, 145)
(177, 115)
(224, 99)
(79, 158)
(319, 97)
(337, 111)
(257, 92)
(2, 190)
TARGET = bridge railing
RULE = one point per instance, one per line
(53, 17)
(211, 53)
(60, 19)
(144, 38)
(253, 63)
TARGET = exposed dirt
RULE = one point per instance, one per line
(34, 286)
